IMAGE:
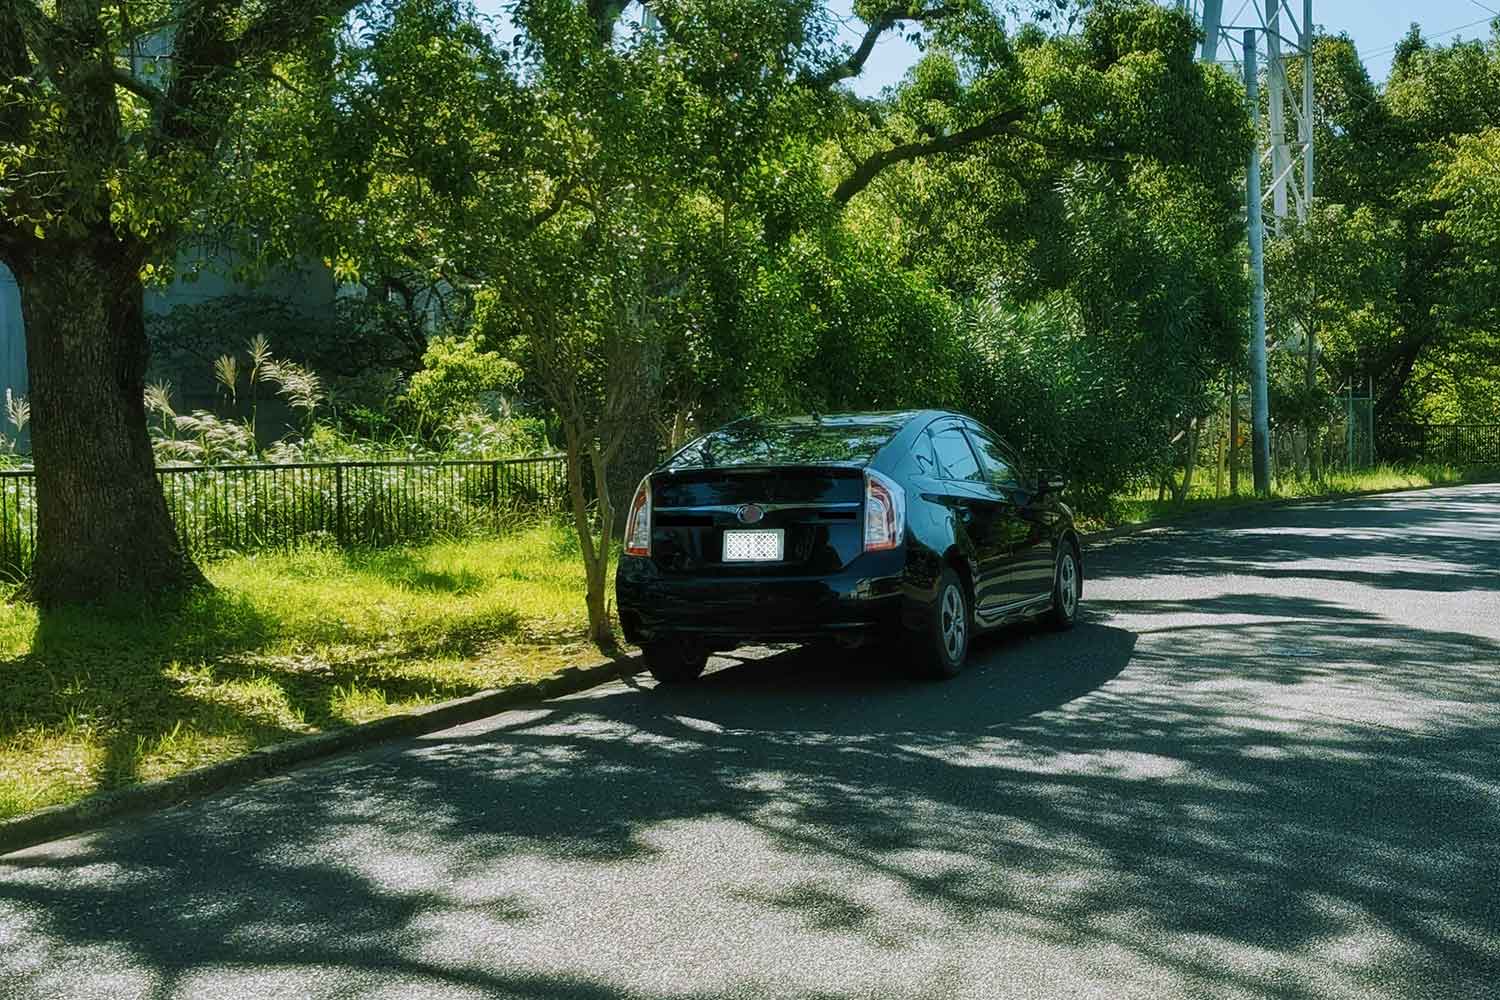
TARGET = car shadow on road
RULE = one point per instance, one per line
(1053, 790)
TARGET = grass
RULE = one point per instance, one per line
(286, 644)
(1144, 507)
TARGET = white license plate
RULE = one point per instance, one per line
(760, 545)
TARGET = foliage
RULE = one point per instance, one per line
(1094, 252)
(838, 324)
(457, 376)
(1406, 174)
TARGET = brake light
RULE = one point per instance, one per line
(638, 524)
(885, 512)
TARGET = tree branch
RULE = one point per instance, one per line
(284, 82)
(559, 199)
(872, 166)
(205, 57)
(140, 88)
(854, 64)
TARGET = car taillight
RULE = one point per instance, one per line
(638, 524)
(885, 512)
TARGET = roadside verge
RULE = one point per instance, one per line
(56, 822)
(1187, 517)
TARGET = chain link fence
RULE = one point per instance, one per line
(243, 508)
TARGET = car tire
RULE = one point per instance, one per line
(940, 647)
(674, 662)
(1066, 591)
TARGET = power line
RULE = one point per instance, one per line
(1441, 34)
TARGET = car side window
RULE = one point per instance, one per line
(954, 455)
(999, 468)
(921, 452)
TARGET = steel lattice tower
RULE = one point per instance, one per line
(1272, 35)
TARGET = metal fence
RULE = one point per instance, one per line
(241, 508)
(1463, 445)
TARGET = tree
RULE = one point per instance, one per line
(1331, 287)
(106, 161)
(1406, 159)
(1095, 244)
(690, 225)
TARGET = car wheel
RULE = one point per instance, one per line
(674, 662)
(940, 648)
(1065, 588)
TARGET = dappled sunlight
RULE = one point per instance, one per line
(1252, 792)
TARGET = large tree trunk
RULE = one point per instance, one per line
(102, 524)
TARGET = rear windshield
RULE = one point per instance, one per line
(794, 441)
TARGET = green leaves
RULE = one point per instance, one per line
(1397, 269)
(457, 374)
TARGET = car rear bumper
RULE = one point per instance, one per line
(863, 602)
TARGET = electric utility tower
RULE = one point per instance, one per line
(1275, 35)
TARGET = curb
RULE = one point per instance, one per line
(56, 822)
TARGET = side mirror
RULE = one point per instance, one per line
(1048, 481)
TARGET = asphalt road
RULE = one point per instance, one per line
(1266, 765)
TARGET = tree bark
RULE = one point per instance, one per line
(103, 529)
(595, 552)
(1234, 434)
(1191, 460)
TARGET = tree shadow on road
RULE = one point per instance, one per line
(1066, 793)
(1445, 542)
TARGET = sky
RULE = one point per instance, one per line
(1375, 26)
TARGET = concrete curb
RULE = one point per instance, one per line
(55, 822)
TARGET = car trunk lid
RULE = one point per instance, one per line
(818, 509)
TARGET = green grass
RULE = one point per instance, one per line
(1144, 507)
(284, 645)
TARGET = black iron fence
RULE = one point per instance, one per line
(1463, 445)
(241, 508)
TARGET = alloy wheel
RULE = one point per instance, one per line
(955, 627)
(1067, 583)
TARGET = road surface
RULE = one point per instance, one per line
(1267, 764)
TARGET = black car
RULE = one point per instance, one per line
(909, 529)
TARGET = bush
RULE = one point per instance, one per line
(1066, 400)
(458, 378)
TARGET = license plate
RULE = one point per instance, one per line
(760, 545)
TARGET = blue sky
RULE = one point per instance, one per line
(1375, 26)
